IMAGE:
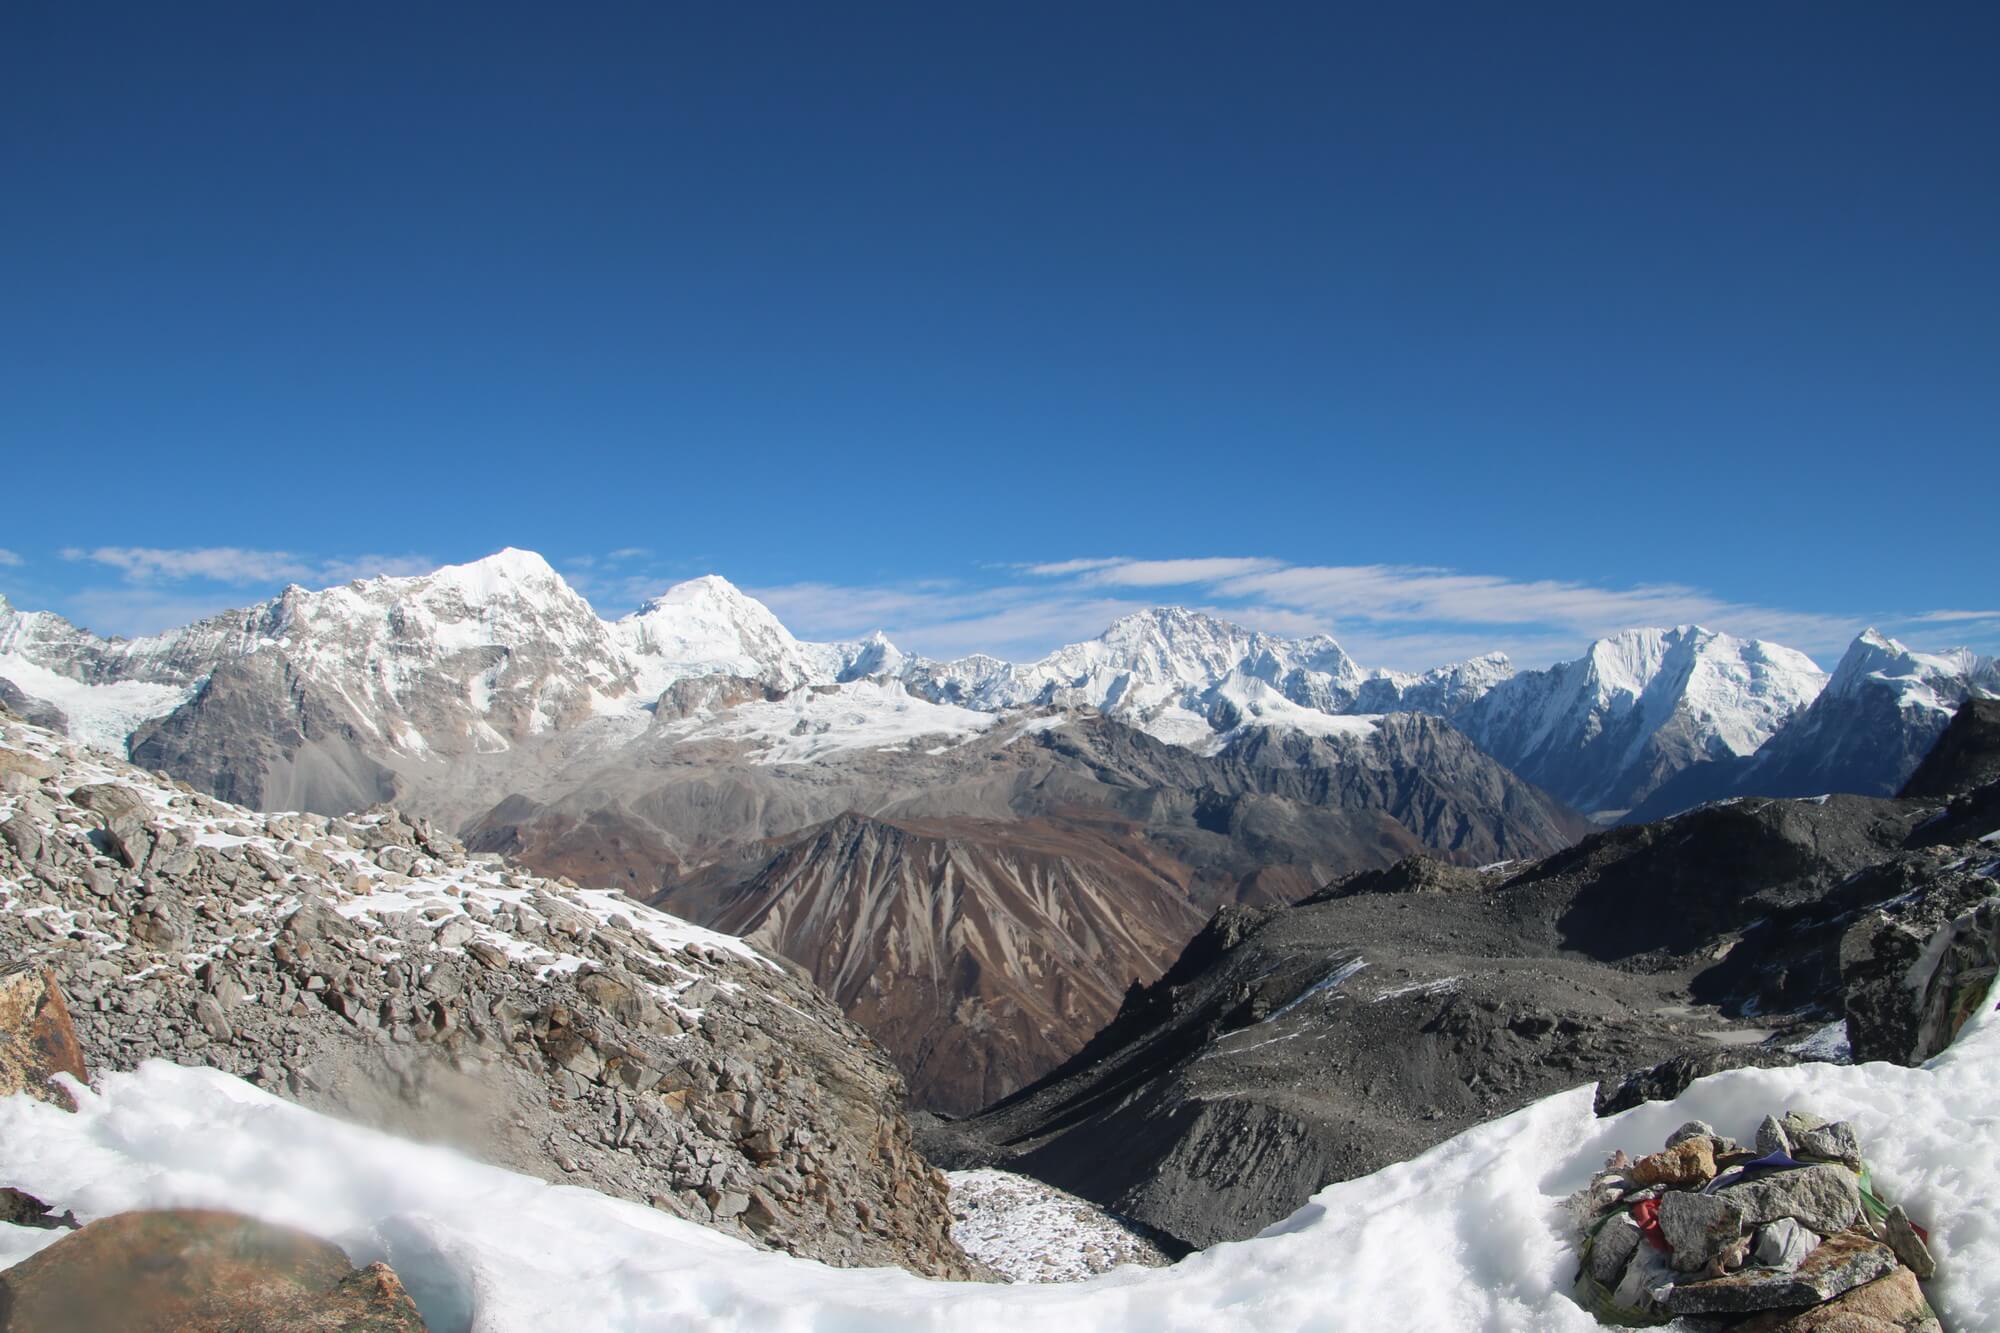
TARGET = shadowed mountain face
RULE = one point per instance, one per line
(1290, 1047)
(1879, 715)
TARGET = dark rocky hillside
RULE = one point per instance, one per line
(1290, 1047)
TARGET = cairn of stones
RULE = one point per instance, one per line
(1784, 1235)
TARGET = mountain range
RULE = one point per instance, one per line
(976, 858)
(496, 654)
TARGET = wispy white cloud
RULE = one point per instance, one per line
(1176, 573)
(1935, 617)
(224, 564)
(8, 558)
(241, 565)
(1383, 596)
(1064, 568)
(1407, 617)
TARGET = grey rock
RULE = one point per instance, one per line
(1836, 1142)
(208, 1012)
(1613, 1247)
(20, 835)
(1699, 1227)
(1693, 1129)
(1908, 1245)
(125, 815)
(1771, 1138)
(1837, 1264)
(40, 712)
(1825, 1198)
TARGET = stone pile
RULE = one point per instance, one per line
(370, 967)
(1784, 1235)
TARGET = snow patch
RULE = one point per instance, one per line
(1470, 1236)
(100, 716)
(1033, 1232)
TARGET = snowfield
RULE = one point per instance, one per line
(1034, 1232)
(1472, 1235)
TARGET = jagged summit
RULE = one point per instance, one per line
(475, 657)
(1607, 729)
(1921, 680)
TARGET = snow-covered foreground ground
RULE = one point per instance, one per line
(1470, 1236)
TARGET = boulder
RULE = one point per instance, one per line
(127, 832)
(1693, 1129)
(18, 1208)
(1832, 1143)
(37, 1039)
(1910, 1247)
(19, 835)
(1826, 1198)
(1892, 1304)
(199, 1271)
(1699, 1227)
(1838, 1264)
(1613, 1247)
(1689, 1162)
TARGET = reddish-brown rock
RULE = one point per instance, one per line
(199, 1271)
(1690, 1162)
(36, 1038)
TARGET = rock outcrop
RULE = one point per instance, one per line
(1966, 756)
(1295, 1046)
(1288, 1048)
(372, 967)
(1915, 968)
(37, 1039)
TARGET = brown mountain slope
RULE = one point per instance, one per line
(979, 953)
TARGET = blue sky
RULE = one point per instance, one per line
(1445, 328)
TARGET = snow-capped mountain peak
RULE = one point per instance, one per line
(1938, 681)
(707, 626)
(507, 573)
(1604, 730)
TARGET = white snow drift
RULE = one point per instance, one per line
(1470, 1236)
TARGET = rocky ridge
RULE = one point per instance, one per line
(1603, 732)
(1290, 1047)
(982, 910)
(1879, 715)
(372, 967)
